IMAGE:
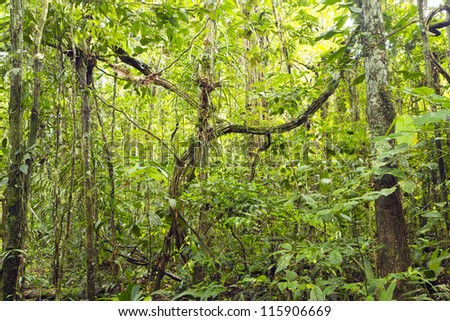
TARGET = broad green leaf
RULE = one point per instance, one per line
(336, 55)
(316, 294)
(335, 257)
(291, 275)
(309, 200)
(345, 217)
(407, 186)
(432, 117)
(262, 278)
(368, 271)
(432, 214)
(282, 286)
(324, 185)
(405, 124)
(388, 191)
(411, 75)
(132, 293)
(425, 91)
(136, 230)
(283, 262)
(212, 291)
(387, 295)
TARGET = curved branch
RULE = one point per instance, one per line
(441, 69)
(301, 119)
(152, 76)
(434, 27)
(127, 59)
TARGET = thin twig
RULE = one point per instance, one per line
(138, 126)
(389, 35)
(186, 50)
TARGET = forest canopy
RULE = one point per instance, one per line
(224, 150)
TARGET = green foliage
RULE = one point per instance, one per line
(303, 227)
(132, 293)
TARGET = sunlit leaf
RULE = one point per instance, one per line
(404, 124)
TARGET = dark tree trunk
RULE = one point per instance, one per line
(15, 190)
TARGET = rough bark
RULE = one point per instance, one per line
(393, 255)
(15, 191)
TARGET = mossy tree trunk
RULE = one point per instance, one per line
(15, 190)
(393, 256)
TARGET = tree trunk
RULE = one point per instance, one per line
(85, 64)
(432, 81)
(15, 192)
(391, 227)
(279, 27)
(353, 96)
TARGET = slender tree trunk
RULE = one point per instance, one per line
(108, 150)
(69, 208)
(432, 81)
(283, 46)
(57, 220)
(393, 255)
(16, 200)
(3, 229)
(353, 96)
(85, 64)
(35, 117)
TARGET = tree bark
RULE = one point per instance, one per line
(15, 190)
(394, 254)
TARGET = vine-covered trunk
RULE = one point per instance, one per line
(393, 256)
